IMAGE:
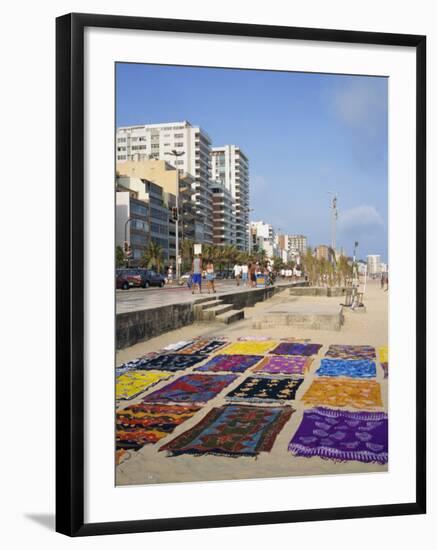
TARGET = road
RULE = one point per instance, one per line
(138, 298)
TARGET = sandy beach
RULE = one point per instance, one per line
(148, 465)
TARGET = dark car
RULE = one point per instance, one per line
(126, 279)
(138, 277)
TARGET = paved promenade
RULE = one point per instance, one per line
(140, 299)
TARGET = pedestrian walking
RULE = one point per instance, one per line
(245, 274)
(382, 281)
(237, 272)
(196, 277)
(210, 277)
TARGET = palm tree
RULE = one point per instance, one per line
(187, 253)
(119, 256)
(152, 257)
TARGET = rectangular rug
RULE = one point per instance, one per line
(284, 364)
(195, 388)
(176, 346)
(132, 383)
(351, 368)
(204, 345)
(296, 348)
(249, 347)
(140, 424)
(232, 430)
(383, 354)
(171, 362)
(343, 392)
(266, 389)
(230, 363)
(342, 435)
(339, 351)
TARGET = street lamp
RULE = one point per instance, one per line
(177, 154)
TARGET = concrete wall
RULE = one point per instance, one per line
(138, 326)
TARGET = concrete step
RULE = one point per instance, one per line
(211, 313)
(230, 316)
(199, 308)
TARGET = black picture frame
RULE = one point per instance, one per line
(70, 273)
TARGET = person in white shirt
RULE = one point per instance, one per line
(237, 273)
(245, 273)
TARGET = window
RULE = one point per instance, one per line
(134, 139)
(121, 157)
(179, 162)
(179, 144)
(178, 136)
(121, 148)
(142, 138)
(121, 140)
(155, 145)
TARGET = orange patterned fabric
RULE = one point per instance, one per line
(360, 394)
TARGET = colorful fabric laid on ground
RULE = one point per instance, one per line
(254, 339)
(132, 383)
(249, 348)
(342, 435)
(135, 363)
(266, 389)
(351, 352)
(383, 354)
(284, 364)
(171, 362)
(120, 455)
(177, 345)
(232, 430)
(385, 369)
(341, 392)
(194, 388)
(296, 348)
(204, 345)
(230, 363)
(140, 424)
(352, 368)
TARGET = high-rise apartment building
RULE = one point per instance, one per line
(231, 166)
(223, 207)
(298, 243)
(158, 141)
(373, 264)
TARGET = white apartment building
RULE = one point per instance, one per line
(231, 166)
(298, 243)
(373, 264)
(148, 141)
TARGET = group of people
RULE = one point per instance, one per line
(196, 275)
(247, 273)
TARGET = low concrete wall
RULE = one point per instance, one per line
(138, 326)
(330, 292)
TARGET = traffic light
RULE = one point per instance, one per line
(127, 250)
(174, 214)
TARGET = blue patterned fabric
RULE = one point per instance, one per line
(352, 368)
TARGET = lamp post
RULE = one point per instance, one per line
(177, 154)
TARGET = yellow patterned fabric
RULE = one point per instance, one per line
(131, 384)
(383, 354)
(249, 348)
(360, 394)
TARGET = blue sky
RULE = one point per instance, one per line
(305, 135)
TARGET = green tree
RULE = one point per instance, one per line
(152, 257)
(186, 251)
(119, 256)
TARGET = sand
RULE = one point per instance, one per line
(150, 466)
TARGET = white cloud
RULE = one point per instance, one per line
(360, 218)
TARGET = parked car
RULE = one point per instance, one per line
(126, 279)
(138, 277)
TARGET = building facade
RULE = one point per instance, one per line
(223, 207)
(298, 243)
(230, 166)
(158, 141)
(132, 222)
(373, 264)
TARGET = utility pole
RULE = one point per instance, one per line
(177, 154)
(334, 218)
